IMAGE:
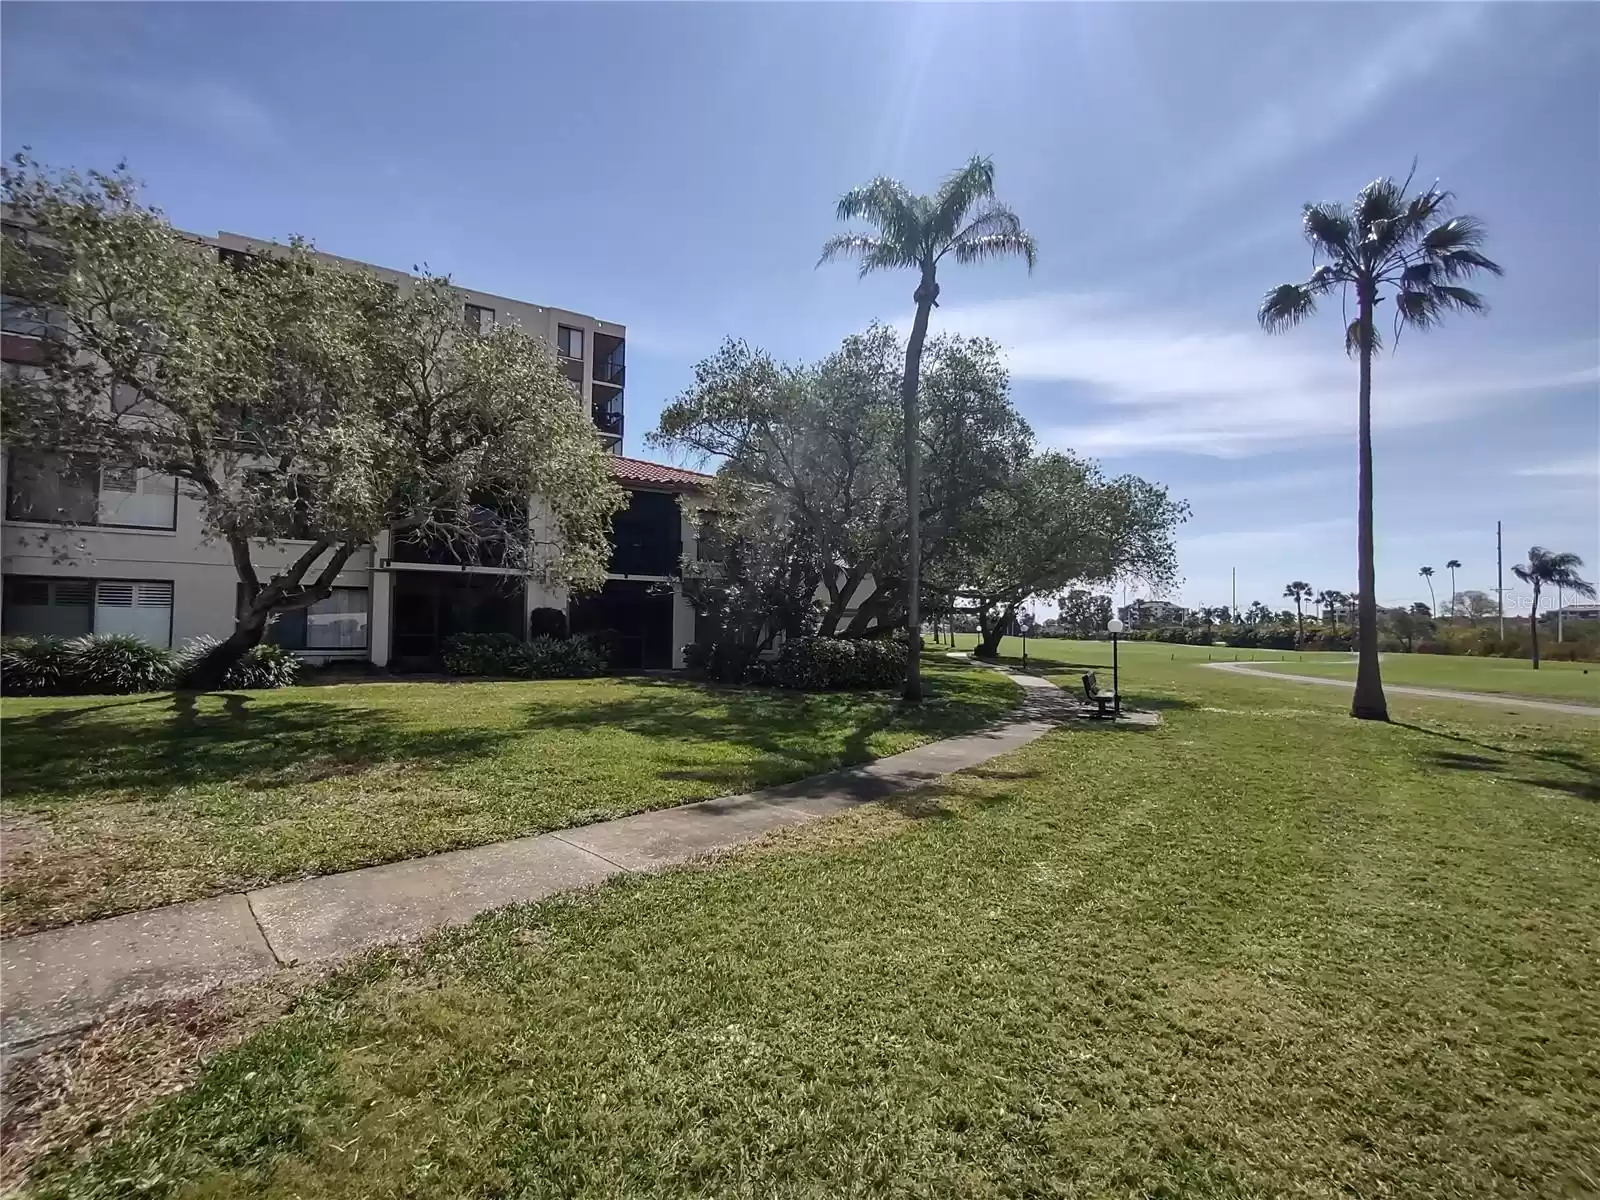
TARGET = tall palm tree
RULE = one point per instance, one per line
(1407, 247)
(1298, 591)
(1433, 601)
(1548, 568)
(1328, 602)
(1452, 566)
(961, 221)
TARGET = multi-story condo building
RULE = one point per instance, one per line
(1152, 614)
(102, 547)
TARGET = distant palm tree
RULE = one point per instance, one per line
(1299, 591)
(1405, 245)
(1433, 602)
(1331, 600)
(1547, 568)
(964, 221)
(1452, 566)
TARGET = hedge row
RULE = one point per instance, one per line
(543, 657)
(119, 664)
(810, 664)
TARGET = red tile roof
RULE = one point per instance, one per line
(636, 470)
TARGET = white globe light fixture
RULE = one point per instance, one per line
(1114, 626)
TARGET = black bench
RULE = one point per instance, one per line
(1101, 700)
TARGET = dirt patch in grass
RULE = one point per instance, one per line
(63, 1101)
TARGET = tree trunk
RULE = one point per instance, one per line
(1533, 624)
(927, 292)
(208, 671)
(1300, 622)
(989, 646)
(1368, 703)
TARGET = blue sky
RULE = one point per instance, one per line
(675, 167)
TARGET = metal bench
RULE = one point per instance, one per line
(1101, 700)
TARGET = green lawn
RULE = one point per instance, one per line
(1261, 950)
(1553, 680)
(119, 803)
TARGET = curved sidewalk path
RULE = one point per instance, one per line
(62, 979)
(1588, 710)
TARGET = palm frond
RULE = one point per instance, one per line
(888, 204)
(957, 195)
(1522, 573)
(1458, 233)
(1327, 228)
(995, 218)
(996, 245)
(1285, 306)
(1462, 264)
(1381, 201)
(1428, 306)
(1352, 338)
(876, 254)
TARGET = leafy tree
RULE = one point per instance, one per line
(1406, 624)
(1299, 591)
(1479, 606)
(1427, 576)
(1419, 609)
(1550, 568)
(1453, 566)
(1329, 602)
(1399, 248)
(1257, 614)
(1059, 522)
(293, 400)
(815, 447)
(1085, 613)
(961, 220)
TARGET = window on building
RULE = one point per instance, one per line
(569, 342)
(479, 319)
(27, 319)
(42, 607)
(69, 489)
(338, 622)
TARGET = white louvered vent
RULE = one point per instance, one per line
(114, 595)
(155, 594)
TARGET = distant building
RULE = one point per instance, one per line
(1575, 612)
(1152, 614)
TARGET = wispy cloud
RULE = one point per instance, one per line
(208, 105)
(1175, 381)
(1342, 91)
(1582, 467)
(1255, 540)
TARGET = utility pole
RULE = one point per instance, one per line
(1500, 580)
(1236, 595)
(1559, 614)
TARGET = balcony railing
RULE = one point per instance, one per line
(610, 369)
(608, 416)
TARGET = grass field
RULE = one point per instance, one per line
(1261, 950)
(1553, 680)
(119, 803)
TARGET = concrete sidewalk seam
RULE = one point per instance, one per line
(265, 940)
(555, 836)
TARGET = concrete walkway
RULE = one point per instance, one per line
(1587, 710)
(62, 979)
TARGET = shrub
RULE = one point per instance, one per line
(562, 658)
(485, 654)
(821, 664)
(547, 622)
(262, 666)
(116, 664)
(34, 667)
(722, 662)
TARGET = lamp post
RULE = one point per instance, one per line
(1114, 627)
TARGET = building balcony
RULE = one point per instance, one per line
(607, 411)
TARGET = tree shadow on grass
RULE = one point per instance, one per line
(1505, 762)
(245, 740)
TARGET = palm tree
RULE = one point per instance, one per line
(1298, 591)
(1433, 601)
(1547, 568)
(963, 221)
(1409, 247)
(1452, 566)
